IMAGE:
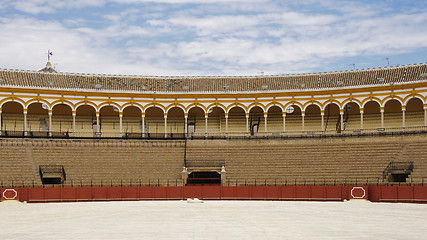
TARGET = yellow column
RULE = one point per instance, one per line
(50, 122)
(74, 123)
(361, 119)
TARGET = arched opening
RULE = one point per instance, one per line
(37, 119)
(85, 121)
(196, 121)
(256, 121)
(313, 120)
(109, 121)
(204, 178)
(371, 116)
(414, 113)
(176, 121)
(393, 114)
(62, 119)
(154, 122)
(12, 118)
(351, 117)
(132, 121)
(216, 121)
(275, 120)
(236, 121)
(332, 118)
(293, 119)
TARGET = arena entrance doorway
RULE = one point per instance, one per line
(204, 178)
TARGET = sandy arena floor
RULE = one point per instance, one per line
(213, 220)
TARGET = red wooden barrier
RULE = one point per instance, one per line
(413, 194)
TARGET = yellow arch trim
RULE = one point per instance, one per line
(237, 105)
(333, 101)
(409, 97)
(277, 104)
(178, 105)
(217, 105)
(193, 105)
(139, 106)
(66, 102)
(256, 105)
(385, 100)
(154, 105)
(368, 99)
(348, 100)
(295, 104)
(109, 104)
(14, 99)
(82, 103)
(35, 100)
(315, 102)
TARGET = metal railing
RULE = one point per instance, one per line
(229, 182)
(217, 135)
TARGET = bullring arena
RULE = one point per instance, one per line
(333, 136)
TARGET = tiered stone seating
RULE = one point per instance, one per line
(17, 167)
(330, 161)
(89, 162)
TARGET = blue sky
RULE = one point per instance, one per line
(211, 37)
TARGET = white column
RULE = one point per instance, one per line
(143, 124)
(341, 120)
(265, 123)
(50, 123)
(166, 125)
(25, 122)
(382, 117)
(284, 122)
(206, 124)
(361, 119)
(121, 123)
(74, 123)
(1, 124)
(226, 123)
(425, 116)
(98, 126)
(185, 124)
(403, 117)
(322, 114)
(247, 124)
(303, 124)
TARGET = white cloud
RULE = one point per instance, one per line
(165, 42)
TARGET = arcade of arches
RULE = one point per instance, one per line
(111, 121)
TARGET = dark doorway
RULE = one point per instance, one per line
(204, 178)
(398, 177)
